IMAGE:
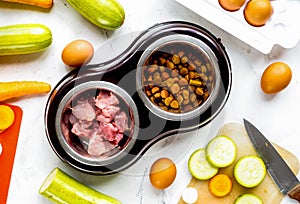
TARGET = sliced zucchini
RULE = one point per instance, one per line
(248, 199)
(221, 151)
(199, 167)
(249, 171)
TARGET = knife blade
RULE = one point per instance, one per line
(280, 172)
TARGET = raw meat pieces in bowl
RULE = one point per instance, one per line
(97, 125)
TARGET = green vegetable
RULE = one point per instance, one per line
(221, 151)
(60, 188)
(199, 167)
(249, 171)
(24, 39)
(106, 14)
(248, 199)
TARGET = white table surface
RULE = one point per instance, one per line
(276, 115)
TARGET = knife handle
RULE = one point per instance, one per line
(295, 193)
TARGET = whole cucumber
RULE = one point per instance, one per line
(24, 39)
(106, 14)
(60, 188)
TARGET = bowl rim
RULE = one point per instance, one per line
(104, 85)
(204, 49)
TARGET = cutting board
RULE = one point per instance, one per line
(267, 190)
(8, 140)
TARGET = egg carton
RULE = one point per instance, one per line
(282, 28)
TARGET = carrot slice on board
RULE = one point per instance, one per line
(220, 185)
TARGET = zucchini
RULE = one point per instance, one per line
(60, 188)
(106, 14)
(24, 39)
(249, 171)
(199, 167)
(221, 151)
(248, 198)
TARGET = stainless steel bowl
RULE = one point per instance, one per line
(201, 48)
(92, 87)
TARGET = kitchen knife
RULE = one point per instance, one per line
(280, 172)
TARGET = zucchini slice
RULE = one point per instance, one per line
(199, 167)
(249, 171)
(221, 151)
(248, 199)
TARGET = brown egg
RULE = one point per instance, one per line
(231, 5)
(276, 77)
(162, 173)
(77, 53)
(258, 12)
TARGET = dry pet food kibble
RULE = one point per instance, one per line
(178, 77)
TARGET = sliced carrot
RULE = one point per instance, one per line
(14, 89)
(220, 185)
(39, 3)
(7, 117)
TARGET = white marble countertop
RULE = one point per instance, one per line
(276, 115)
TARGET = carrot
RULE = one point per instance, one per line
(39, 3)
(7, 117)
(14, 89)
(220, 185)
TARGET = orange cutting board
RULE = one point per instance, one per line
(267, 190)
(8, 140)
